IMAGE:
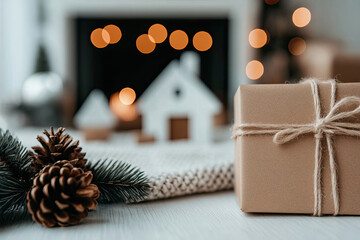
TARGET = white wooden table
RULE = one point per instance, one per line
(206, 216)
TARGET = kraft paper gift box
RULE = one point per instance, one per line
(279, 178)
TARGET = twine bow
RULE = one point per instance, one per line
(332, 124)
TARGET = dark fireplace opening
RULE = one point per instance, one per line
(122, 65)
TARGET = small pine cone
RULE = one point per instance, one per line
(61, 195)
(58, 147)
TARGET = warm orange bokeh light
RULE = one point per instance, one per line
(100, 38)
(145, 44)
(202, 41)
(258, 38)
(254, 70)
(301, 17)
(124, 112)
(158, 32)
(127, 96)
(271, 2)
(178, 39)
(297, 46)
(114, 32)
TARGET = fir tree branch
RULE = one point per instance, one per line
(12, 195)
(118, 181)
(16, 156)
(15, 177)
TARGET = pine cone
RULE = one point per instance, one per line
(58, 148)
(61, 195)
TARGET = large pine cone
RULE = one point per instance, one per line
(61, 195)
(58, 148)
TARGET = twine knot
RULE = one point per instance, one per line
(332, 124)
(319, 126)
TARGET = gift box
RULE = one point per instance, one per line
(298, 148)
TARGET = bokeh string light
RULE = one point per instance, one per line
(258, 38)
(202, 41)
(100, 38)
(301, 17)
(127, 96)
(114, 32)
(297, 46)
(145, 44)
(271, 2)
(158, 33)
(122, 111)
(178, 39)
(254, 70)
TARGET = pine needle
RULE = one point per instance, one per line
(15, 155)
(15, 177)
(118, 181)
(12, 196)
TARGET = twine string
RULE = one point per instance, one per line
(334, 123)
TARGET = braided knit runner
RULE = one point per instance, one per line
(210, 179)
(176, 169)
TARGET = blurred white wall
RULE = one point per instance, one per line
(18, 44)
(333, 20)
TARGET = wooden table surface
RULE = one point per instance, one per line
(205, 216)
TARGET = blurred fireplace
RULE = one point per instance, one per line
(121, 65)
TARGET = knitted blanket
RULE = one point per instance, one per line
(174, 169)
